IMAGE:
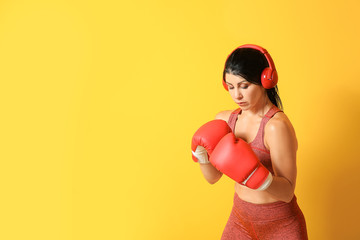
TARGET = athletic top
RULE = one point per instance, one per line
(257, 144)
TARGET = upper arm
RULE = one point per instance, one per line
(282, 143)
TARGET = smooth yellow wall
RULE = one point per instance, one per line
(99, 101)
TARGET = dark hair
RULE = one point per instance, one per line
(249, 64)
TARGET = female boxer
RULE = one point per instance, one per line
(256, 146)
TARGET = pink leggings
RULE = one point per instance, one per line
(278, 220)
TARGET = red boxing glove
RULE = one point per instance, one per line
(235, 158)
(206, 138)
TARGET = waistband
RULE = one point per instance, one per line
(267, 211)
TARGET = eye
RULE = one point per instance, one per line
(245, 87)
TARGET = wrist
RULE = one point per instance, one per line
(201, 155)
(266, 183)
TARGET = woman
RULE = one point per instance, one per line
(271, 213)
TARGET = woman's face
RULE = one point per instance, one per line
(247, 95)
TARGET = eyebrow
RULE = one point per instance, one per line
(238, 83)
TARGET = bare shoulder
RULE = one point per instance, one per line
(279, 121)
(279, 127)
(224, 115)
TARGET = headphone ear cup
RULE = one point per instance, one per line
(225, 86)
(269, 78)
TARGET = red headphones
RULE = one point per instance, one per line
(269, 77)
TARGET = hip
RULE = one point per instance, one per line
(266, 211)
(276, 220)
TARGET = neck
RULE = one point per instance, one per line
(260, 109)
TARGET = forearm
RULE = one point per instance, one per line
(211, 174)
(281, 189)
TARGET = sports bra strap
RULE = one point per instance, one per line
(232, 119)
(272, 111)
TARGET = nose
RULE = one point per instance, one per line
(238, 94)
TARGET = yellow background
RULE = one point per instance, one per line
(99, 101)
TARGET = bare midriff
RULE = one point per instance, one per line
(253, 196)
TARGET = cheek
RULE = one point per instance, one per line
(253, 94)
(232, 94)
